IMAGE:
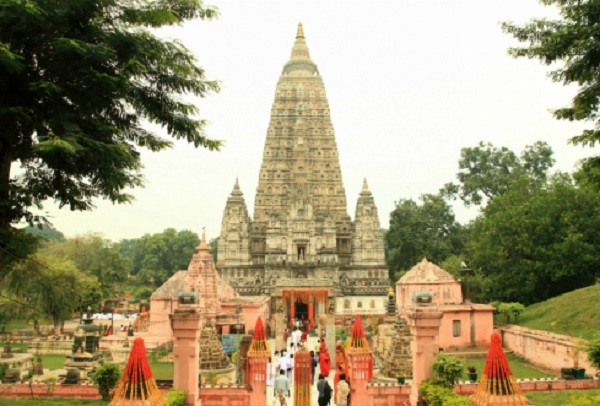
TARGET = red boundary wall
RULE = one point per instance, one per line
(535, 385)
(387, 395)
(226, 396)
(238, 395)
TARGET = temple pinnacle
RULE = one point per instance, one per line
(300, 32)
(236, 189)
(365, 188)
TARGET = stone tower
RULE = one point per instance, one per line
(203, 280)
(301, 246)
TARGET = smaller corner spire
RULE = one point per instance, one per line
(236, 189)
(300, 32)
(365, 188)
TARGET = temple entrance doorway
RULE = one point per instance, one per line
(302, 311)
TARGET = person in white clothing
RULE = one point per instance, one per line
(283, 363)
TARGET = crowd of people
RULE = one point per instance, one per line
(281, 371)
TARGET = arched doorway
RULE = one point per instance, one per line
(301, 310)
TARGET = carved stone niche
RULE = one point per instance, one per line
(188, 298)
(424, 297)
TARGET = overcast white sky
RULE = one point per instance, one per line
(409, 84)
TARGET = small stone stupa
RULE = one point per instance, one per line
(137, 385)
(212, 353)
(398, 364)
(85, 353)
(498, 385)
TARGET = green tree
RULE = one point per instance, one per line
(571, 40)
(421, 230)
(214, 248)
(79, 81)
(45, 233)
(55, 286)
(486, 171)
(537, 241)
(156, 257)
(593, 353)
(95, 256)
(448, 370)
(106, 377)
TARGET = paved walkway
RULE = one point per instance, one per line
(312, 342)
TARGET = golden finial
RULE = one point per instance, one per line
(300, 33)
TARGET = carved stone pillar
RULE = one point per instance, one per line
(424, 322)
(185, 323)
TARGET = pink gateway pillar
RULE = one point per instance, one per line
(424, 322)
(185, 323)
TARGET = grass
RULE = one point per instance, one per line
(574, 313)
(559, 398)
(162, 370)
(520, 368)
(50, 402)
(53, 361)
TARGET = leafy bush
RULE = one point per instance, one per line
(511, 311)
(593, 352)
(448, 369)
(106, 377)
(437, 395)
(3, 368)
(584, 400)
(175, 397)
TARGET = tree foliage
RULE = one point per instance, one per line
(438, 395)
(95, 256)
(537, 241)
(593, 353)
(448, 370)
(54, 285)
(106, 377)
(155, 257)
(572, 41)
(486, 171)
(45, 233)
(421, 230)
(79, 81)
(510, 311)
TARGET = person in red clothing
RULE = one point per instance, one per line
(324, 359)
(304, 336)
(286, 335)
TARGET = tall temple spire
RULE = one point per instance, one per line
(300, 210)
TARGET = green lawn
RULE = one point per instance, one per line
(53, 361)
(50, 402)
(574, 313)
(16, 347)
(519, 367)
(559, 398)
(162, 370)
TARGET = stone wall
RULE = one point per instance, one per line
(542, 348)
(234, 395)
(54, 347)
(532, 385)
(386, 394)
(24, 390)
